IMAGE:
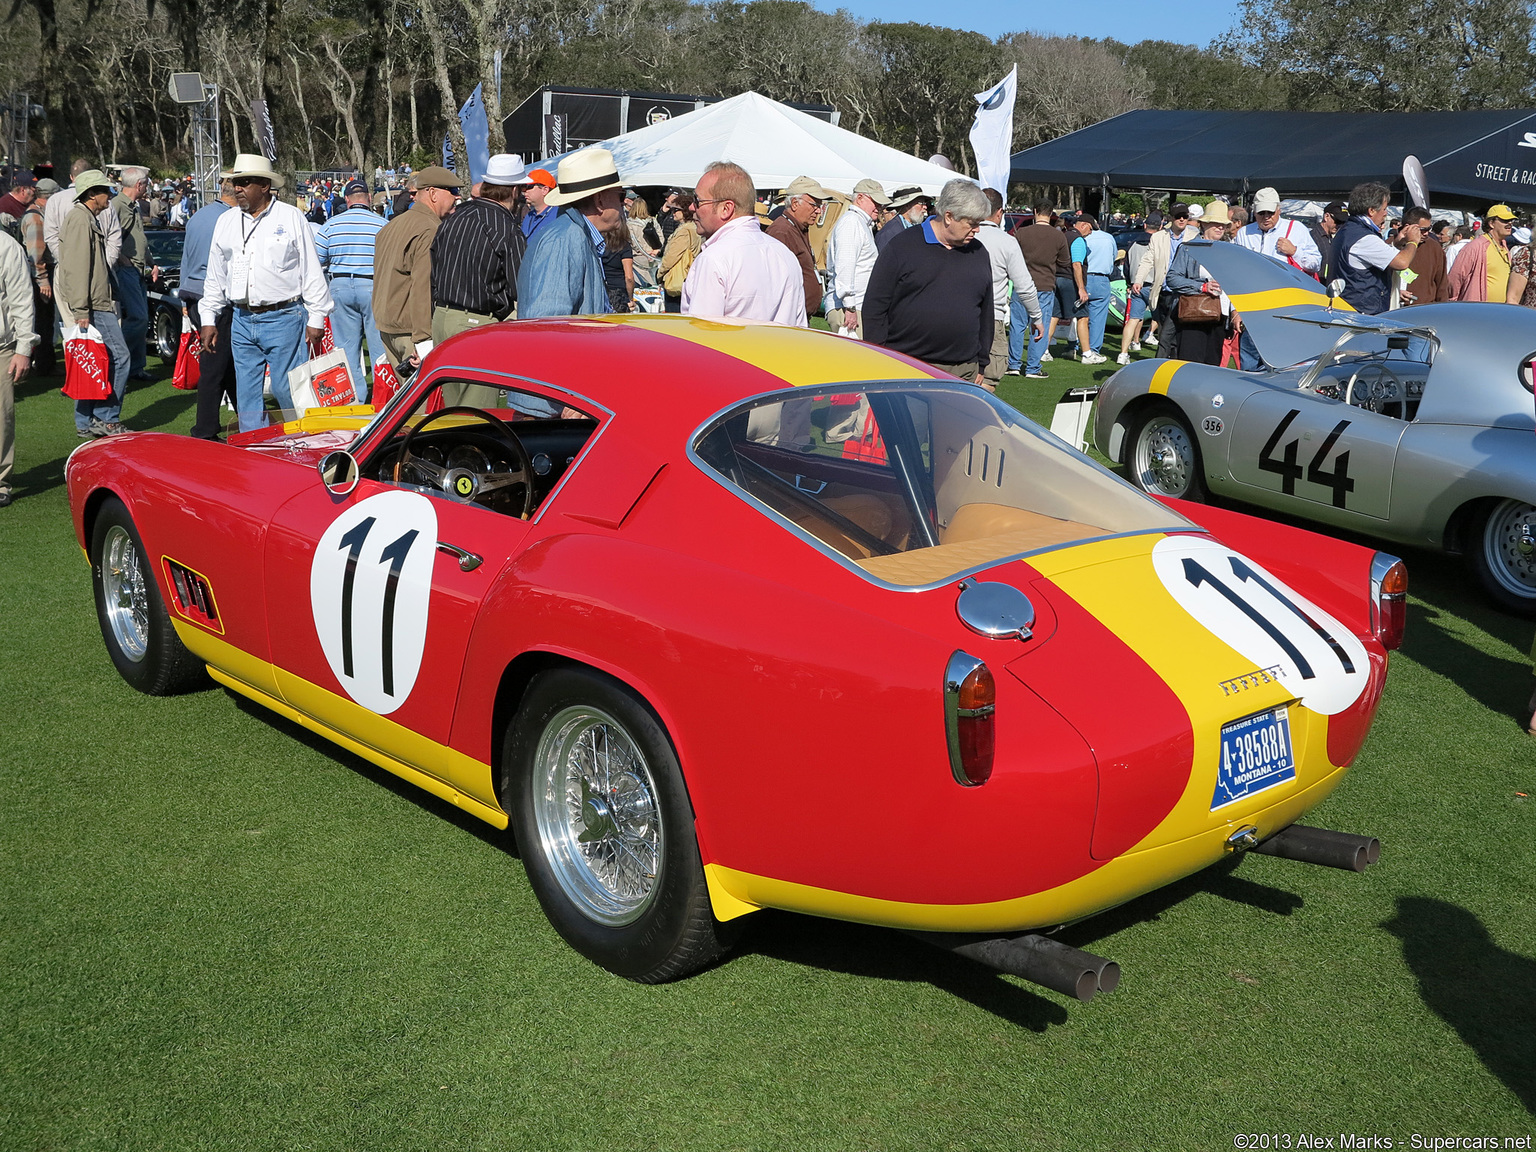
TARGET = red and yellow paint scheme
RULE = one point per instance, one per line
(802, 688)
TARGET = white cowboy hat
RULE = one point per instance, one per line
(506, 168)
(250, 164)
(583, 174)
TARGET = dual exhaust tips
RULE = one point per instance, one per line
(1082, 975)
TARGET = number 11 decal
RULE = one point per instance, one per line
(1245, 607)
(370, 589)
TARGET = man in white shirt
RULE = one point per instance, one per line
(1008, 267)
(740, 271)
(1283, 241)
(263, 264)
(851, 253)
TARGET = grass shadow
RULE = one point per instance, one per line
(883, 954)
(1483, 992)
(499, 838)
(39, 478)
(166, 409)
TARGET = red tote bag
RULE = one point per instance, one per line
(87, 367)
(188, 370)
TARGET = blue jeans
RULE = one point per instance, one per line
(110, 410)
(1098, 309)
(350, 322)
(1037, 346)
(260, 341)
(131, 295)
(1018, 321)
(1248, 352)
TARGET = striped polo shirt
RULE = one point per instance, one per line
(345, 243)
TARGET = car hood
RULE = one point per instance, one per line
(1264, 292)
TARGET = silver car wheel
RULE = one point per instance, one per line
(127, 601)
(599, 822)
(1163, 459)
(1509, 547)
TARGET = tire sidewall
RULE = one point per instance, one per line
(641, 948)
(1196, 490)
(1477, 560)
(147, 674)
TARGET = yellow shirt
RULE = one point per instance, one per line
(1498, 272)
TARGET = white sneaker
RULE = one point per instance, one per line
(1123, 358)
(1091, 357)
(1149, 341)
(1046, 356)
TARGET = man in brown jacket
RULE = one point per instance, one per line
(804, 203)
(83, 290)
(402, 268)
(1430, 283)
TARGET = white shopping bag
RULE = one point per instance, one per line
(323, 382)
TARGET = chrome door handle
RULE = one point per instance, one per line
(468, 561)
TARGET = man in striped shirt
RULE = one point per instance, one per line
(345, 247)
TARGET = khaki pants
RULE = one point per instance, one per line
(7, 418)
(836, 318)
(964, 371)
(448, 322)
(997, 363)
(399, 347)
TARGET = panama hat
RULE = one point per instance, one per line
(1215, 213)
(248, 164)
(506, 168)
(584, 174)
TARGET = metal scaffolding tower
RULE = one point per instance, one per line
(16, 112)
(202, 97)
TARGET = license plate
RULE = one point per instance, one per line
(1256, 754)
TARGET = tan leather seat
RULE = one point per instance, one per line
(975, 535)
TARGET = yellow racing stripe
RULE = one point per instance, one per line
(1283, 298)
(799, 356)
(1164, 376)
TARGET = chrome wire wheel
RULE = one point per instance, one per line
(126, 599)
(1164, 460)
(598, 819)
(1509, 548)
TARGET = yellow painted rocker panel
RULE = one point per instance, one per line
(798, 356)
(260, 681)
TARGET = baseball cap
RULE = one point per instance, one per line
(1196, 211)
(1499, 212)
(873, 190)
(1337, 211)
(23, 180)
(354, 187)
(1266, 200)
(436, 176)
(805, 186)
(47, 186)
(542, 176)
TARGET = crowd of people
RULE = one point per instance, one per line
(937, 278)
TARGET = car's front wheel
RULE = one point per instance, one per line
(605, 828)
(1502, 556)
(134, 623)
(165, 336)
(1164, 457)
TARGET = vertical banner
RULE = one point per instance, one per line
(448, 153)
(261, 118)
(992, 133)
(477, 134)
(554, 134)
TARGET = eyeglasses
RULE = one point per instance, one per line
(716, 200)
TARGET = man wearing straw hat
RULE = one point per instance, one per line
(402, 267)
(262, 263)
(562, 273)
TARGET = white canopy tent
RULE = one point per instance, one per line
(772, 141)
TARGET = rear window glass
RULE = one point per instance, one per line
(917, 485)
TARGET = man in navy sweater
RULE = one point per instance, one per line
(930, 294)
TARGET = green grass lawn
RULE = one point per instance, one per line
(222, 933)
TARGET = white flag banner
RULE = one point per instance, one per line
(992, 133)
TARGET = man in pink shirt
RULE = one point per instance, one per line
(741, 272)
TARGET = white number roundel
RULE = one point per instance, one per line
(370, 588)
(1255, 614)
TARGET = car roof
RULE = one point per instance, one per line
(687, 367)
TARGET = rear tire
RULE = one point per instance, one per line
(1502, 559)
(1163, 457)
(134, 623)
(165, 334)
(605, 828)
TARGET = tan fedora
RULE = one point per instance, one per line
(249, 164)
(584, 174)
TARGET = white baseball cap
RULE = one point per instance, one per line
(1266, 200)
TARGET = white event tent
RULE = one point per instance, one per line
(772, 141)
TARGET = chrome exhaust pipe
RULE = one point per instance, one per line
(1322, 846)
(1039, 959)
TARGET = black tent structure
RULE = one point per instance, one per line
(1471, 159)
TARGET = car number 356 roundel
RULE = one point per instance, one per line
(1318, 658)
(370, 588)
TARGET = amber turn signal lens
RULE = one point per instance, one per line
(1395, 582)
(978, 690)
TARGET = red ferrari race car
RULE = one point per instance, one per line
(726, 616)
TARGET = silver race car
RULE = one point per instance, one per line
(1416, 426)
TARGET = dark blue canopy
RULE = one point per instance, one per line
(1471, 159)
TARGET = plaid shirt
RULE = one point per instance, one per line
(32, 241)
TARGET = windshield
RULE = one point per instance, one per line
(916, 485)
(1352, 349)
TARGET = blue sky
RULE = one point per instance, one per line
(1124, 20)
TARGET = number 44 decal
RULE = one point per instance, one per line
(1290, 471)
